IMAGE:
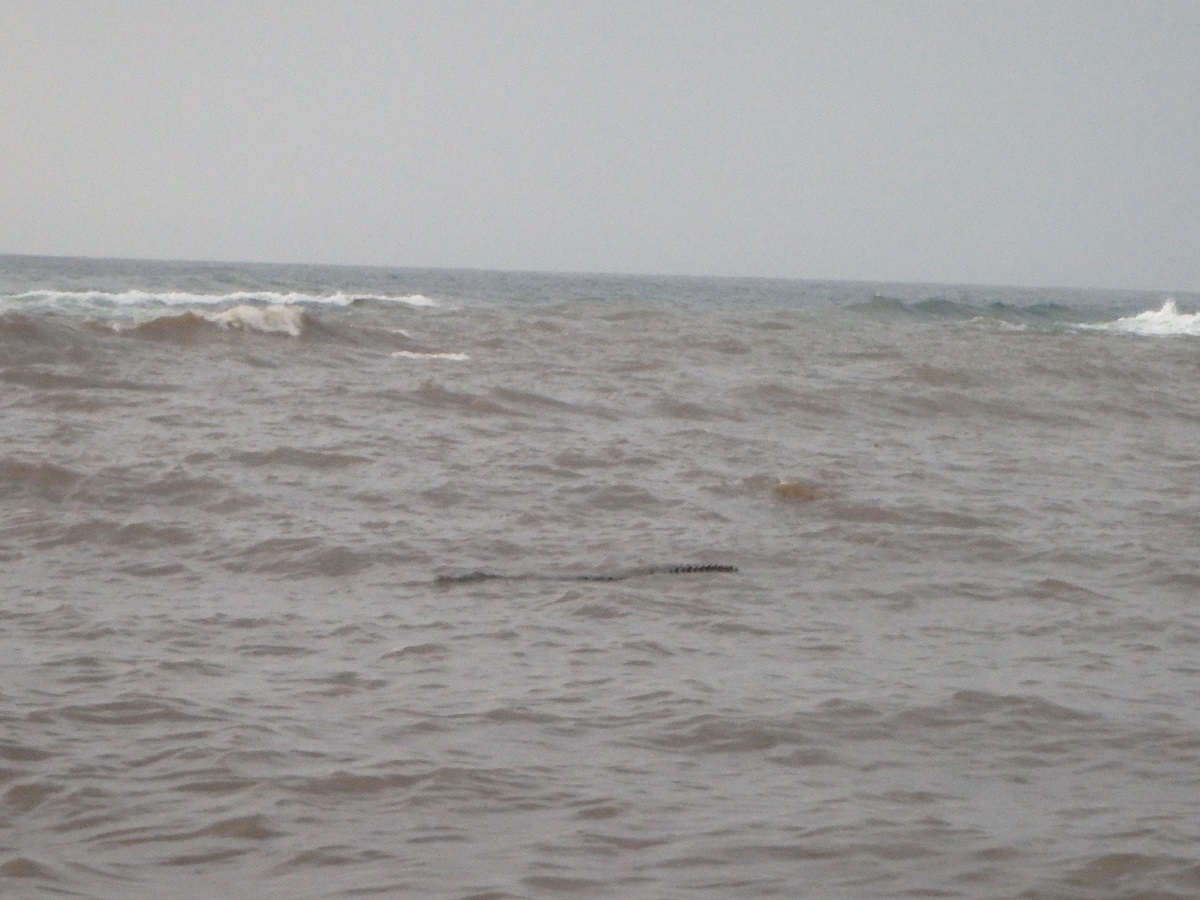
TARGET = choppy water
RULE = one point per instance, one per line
(960, 656)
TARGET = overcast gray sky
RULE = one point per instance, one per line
(1045, 143)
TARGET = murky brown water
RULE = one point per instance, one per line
(960, 656)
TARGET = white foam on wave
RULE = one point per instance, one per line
(185, 298)
(998, 324)
(411, 354)
(274, 319)
(1168, 320)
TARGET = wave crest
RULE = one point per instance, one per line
(413, 354)
(69, 299)
(274, 319)
(1168, 320)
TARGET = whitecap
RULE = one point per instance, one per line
(1167, 320)
(68, 299)
(275, 319)
(999, 324)
(410, 354)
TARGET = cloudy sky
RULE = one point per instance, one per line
(967, 142)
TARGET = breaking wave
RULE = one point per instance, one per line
(413, 354)
(275, 319)
(75, 299)
(1165, 321)
(144, 312)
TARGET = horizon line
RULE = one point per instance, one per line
(585, 273)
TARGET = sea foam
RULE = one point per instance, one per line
(412, 354)
(274, 319)
(67, 299)
(1167, 320)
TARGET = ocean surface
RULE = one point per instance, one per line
(330, 582)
